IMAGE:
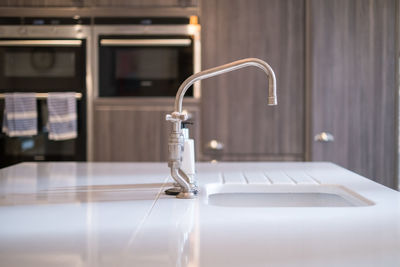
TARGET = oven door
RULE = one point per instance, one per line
(144, 66)
(39, 147)
(42, 65)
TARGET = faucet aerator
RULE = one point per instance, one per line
(272, 101)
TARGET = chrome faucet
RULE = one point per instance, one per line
(188, 186)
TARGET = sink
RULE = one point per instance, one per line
(283, 196)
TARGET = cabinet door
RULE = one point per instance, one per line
(100, 3)
(353, 85)
(124, 133)
(147, 3)
(44, 3)
(234, 105)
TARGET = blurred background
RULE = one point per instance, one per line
(336, 63)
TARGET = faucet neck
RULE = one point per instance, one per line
(177, 126)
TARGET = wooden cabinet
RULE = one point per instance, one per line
(353, 85)
(44, 3)
(135, 130)
(351, 82)
(99, 3)
(234, 105)
(146, 3)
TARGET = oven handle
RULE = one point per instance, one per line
(143, 42)
(40, 42)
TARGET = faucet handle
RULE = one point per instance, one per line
(169, 117)
(176, 117)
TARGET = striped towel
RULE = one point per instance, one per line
(20, 114)
(62, 116)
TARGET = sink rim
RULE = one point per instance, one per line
(355, 199)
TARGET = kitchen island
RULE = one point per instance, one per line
(116, 214)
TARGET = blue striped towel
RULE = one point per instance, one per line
(20, 114)
(62, 116)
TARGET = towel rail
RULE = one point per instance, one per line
(46, 95)
(51, 43)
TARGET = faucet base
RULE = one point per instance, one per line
(186, 195)
(173, 191)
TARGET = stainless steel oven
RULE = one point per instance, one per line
(145, 57)
(45, 55)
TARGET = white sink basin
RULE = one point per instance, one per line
(283, 196)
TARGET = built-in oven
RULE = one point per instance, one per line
(44, 55)
(145, 57)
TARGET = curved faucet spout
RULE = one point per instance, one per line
(176, 141)
(272, 100)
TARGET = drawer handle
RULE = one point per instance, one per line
(324, 137)
(215, 145)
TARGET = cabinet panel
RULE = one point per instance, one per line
(147, 3)
(99, 3)
(353, 85)
(123, 133)
(44, 3)
(234, 105)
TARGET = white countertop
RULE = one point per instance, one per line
(115, 214)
